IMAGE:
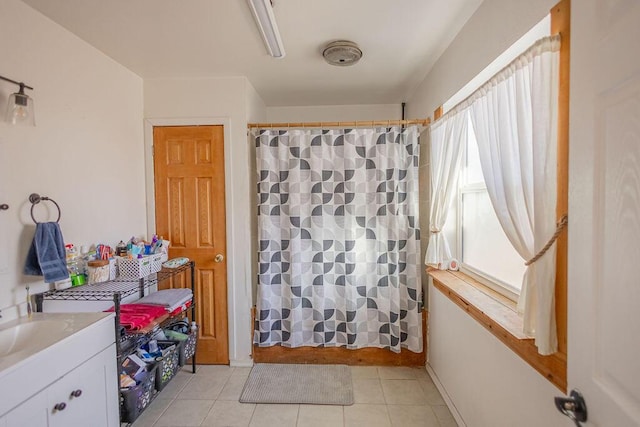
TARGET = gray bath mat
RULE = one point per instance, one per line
(310, 384)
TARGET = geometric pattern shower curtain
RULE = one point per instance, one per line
(339, 240)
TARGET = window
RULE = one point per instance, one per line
(471, 297)
(479, 229)
(474, 222)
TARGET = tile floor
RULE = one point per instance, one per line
(384, 396)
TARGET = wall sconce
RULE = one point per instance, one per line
(20, 106)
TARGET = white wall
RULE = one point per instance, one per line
(256, 110)
(495, 26)
(223, 101)
(488, 384)
(86, 150)
(335, 113)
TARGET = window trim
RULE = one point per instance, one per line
(500, 319)
(491, 282)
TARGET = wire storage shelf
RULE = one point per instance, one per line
(105, 290)
(165, 273)
(101, 291)
(127, 341)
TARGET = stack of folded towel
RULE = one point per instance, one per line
(146, 310)
(173, 300)
(135, 317)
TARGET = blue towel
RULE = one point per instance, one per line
(47, 256)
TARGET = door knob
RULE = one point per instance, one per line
(219, 258)
(573, 407)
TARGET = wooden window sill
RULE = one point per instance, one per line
(498, 315)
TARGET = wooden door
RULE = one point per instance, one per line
(604, 211)
(190, 212)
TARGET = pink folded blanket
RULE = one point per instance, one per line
(137, 316)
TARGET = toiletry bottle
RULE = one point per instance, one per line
(121, 249)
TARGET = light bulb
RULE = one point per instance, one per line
(19, 113)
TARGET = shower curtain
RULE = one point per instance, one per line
(339, 238)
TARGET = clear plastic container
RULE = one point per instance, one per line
(76, 271)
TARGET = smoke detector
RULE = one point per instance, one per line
(342, 53)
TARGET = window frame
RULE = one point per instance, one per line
(497, 285)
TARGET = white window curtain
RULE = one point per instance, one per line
(514, 117)
(447, 138)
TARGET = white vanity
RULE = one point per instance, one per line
(59, 369)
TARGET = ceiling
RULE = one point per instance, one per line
(401, 41)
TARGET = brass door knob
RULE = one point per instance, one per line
(219, 258)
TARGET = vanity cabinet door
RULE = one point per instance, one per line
(85, 396)
(30, 413)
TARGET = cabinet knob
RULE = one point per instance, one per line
(76, 393)
(60, 406)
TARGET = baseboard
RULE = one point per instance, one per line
(445, 397)
(241, 363)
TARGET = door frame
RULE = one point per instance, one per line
(235, 270)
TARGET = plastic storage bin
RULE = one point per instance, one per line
(168, 366)
(156, 262)
(134, 400)
(134, 268)
(188, 348)
(188, 341)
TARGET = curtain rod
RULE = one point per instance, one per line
(474, 94)
(364, 123)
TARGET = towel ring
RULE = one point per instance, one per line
(35, 198)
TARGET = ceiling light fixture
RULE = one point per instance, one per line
(20, 106)
(266, 20)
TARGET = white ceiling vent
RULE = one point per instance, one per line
(342, 53)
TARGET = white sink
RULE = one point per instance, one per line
(37, 351)
(23, 338)
(31, 335)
